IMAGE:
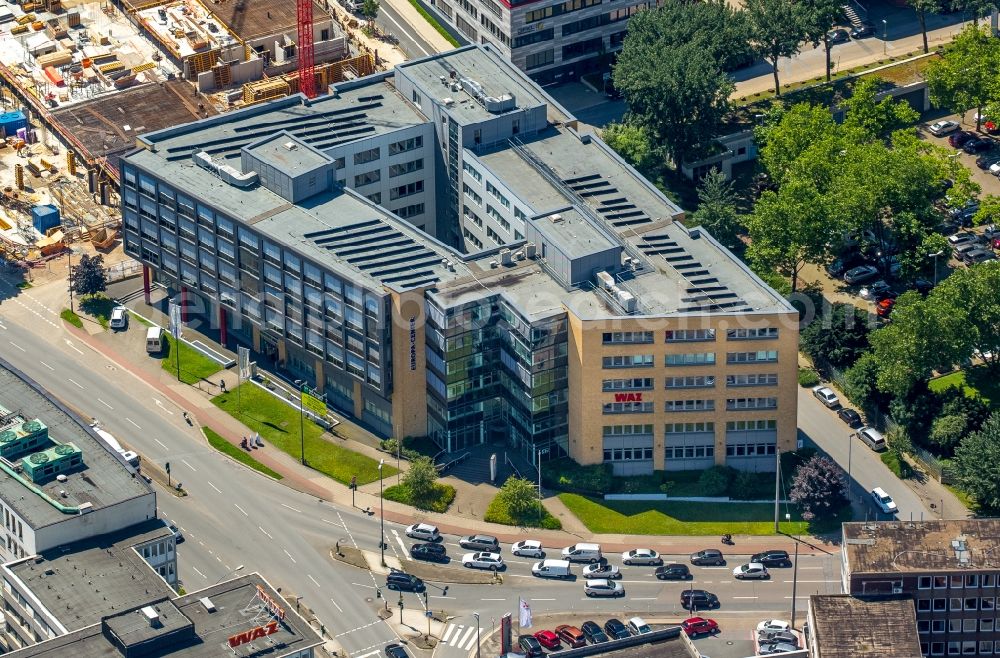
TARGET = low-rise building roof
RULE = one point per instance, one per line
(922, 546)
(846, 627)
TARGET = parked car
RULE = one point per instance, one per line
(943, 127)
(995, 169)
(978, 256)
(839, 35)
(777, 637)
(708, 556)
(849, 416)
(884, 307)
(965, 248)
(751, 571)
(861, 274)
(603, 587)
(641, 556)
(782, 647)
(773, 558)
(593, 632)
(876, 291)
(429, 552)
(404, 582)
(638, 626)
(826, 395)
(548, 639)
(480, 543)
(698, 598)
(962, 238)
(571, 636)
(773, 625)
(483, 560)
(423, 531)
(977, 145)
(883, 500)
(862, 31)
(991, 233)
(872, 438)
(923, 286)
(673, 572)
(695, 626)
(395, 651)
(985, 161)
(530, 645)
(602, 570)
(959, 139)
(178, 535)
(119, 318)
(528, 548)
(616, 630)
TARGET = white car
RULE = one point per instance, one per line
(603, 587)
(826, 395)
(642, 556)
(119, 318)
(423, 531)
(528, 548)
(769, 625)
(601, 570)
(884, 500)
(944, 127)
(995, 168)
(751, 570)
(638, 626)
(959, 239)
(483, 560)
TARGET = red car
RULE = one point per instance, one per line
(884, 307)
(699, 626)
(548, 639)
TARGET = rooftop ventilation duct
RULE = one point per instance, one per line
(229, 174)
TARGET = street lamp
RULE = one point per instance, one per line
(935, 257)
(476, 615)
(885, 31)
(301, 384)
(381, 504)
(239, 568)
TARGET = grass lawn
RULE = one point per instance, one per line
(240, 455)
(98, 307)
(976, 381)
(71, 317)
(278, 423)
(141, 320)
(195, 366)
(497, 512)
(899, 469)
(679, 518)
(444, 494)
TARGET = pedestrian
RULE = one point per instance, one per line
(222, 385)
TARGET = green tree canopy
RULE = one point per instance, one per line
(718, 208)
(924, 7)
(777, 29)
(89, 277)
(818, 17)
(977, 464)
(839, 337)
(965, 76)
(420, 479)
(977, 291)
(520, 497)
(630, 139)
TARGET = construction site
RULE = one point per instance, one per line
(81, 80)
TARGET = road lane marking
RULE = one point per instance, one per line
(219, 559)
(643, 598)
(339, 609)
(105, 403)
(402, 545)
(468, 640)
(200, 573)
(162, 444)
(543, 599)
(265, 532)
(812, 567)
(46, 365)
(184, 461)
(367, 586)
(245, 514)
(160, 405)
(334, 523)
(447, 633)
(291, 508)
(18, 346)
(73, 347)
(289, 556)
(744, 597)
(492, 599)
(370, 653)
(218, 490)
(813, 581)
(133, 422)
(313, 579)
(78, 385)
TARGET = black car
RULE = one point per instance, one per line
(958, 140)
(849, 416)
(429, 552)
(178, 535)
(616, 630)
(923, 286)
(673, 572)
(839, 266)
(404, 582)
(977, 145)
(699, 598)
(530, 645)
(395, 651)
(862, 31)
(839, 35)
(984, 161)
(708, 556)
(772, 559)
(593, 632)
(480, 543)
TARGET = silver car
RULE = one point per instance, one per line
(642, 556)
(601, 570)
(752, 570)
(603, 587)
(528, 548)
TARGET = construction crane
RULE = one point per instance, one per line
(307, 79)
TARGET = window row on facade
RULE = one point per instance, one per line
(686, 335)
(687, 359)
(646, 407)
(688, 381)
(961, 648)
(958, 581)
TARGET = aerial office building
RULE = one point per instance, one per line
(440, 251)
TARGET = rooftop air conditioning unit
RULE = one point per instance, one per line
(505, 257)
(494, 264)
(151, 615)
(456, 86)
(207, 602)
(61, 478)
(606, 280)
(448, 102)
(519, 255)
(556, 218)
(530, 250)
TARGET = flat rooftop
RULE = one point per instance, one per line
(475, 64)
(81, 582)
(186, 28)
(103, 481)
(287, 154)
(249, 19)
(846, 627)
(922, 546)
(189, 629)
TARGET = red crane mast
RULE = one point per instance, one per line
(307, 79)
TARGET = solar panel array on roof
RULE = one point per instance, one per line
(617, 211)
(322, 130)
(704, 292)
(381, 251)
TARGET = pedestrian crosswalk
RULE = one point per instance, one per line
(459, 636)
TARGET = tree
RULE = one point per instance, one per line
(630, 139)
(370, 9)
(933, 248)
(715, 481)
(89, 277)
(839, 337)
(978, 8)
(819, 487)
(861, 383)
(777, 29)
(989, 211)
(947, 431)
(867, 118)
(789, 137)
(819, 16)
(976, 291)
(924, 7)
(520, 497)
(679, 93)
(977, 464)
(717, 208)
(420, 479)
(965, 76)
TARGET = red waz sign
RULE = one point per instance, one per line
(628, 397)
(255, 633)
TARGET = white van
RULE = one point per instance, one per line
(873, 438)
(582, 553)
(154, 340)
(551, 569)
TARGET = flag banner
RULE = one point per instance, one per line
(175, 320)
(525, 619)
(244, 362)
